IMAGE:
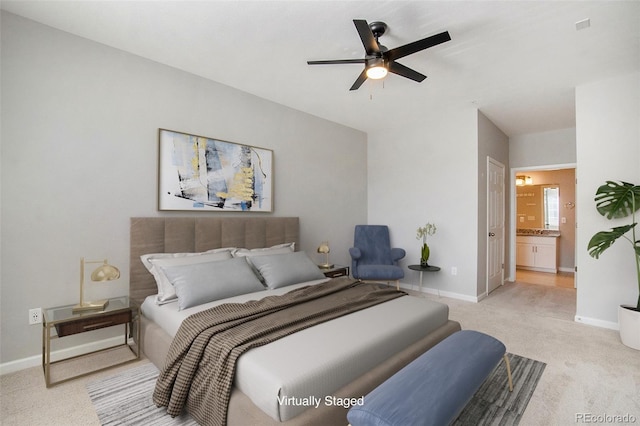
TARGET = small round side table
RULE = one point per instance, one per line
(422, 269)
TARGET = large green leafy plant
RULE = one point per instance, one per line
(616, 200)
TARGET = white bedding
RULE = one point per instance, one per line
(319, 360)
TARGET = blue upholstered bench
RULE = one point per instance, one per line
(435, 387)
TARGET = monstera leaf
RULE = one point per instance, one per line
(617, 199)
(604, 239)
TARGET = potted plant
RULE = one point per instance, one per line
(423, 231)
(619, 200)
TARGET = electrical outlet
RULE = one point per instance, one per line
(454, 270)
(35, 316)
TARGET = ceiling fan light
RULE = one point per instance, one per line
(376, 72)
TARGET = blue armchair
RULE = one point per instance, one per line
(372, 258)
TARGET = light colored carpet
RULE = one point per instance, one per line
(588, 369)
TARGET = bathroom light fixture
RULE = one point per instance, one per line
(376, 69)
(324, 249)
(104, 272)
(524, 180)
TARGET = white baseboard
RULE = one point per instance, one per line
(597, 323)
(443, 293)
(562, 269)
(36, 360)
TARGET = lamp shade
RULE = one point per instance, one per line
(105, 272)
(324, 247)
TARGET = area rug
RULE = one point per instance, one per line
(126, 398)
(493, 404)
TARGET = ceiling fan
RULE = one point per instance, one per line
(379, 60)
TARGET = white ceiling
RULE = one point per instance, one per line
(517, 61)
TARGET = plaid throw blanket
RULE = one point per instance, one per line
(200, 365)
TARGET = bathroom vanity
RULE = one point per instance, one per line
(537, 251)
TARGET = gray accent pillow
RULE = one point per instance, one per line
(205, 282)
(156, 261)
(249, 254)
(280, 270)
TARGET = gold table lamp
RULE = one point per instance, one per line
(104, 272)
(324, 249)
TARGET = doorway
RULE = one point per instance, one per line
(543, 204)
(561, 279)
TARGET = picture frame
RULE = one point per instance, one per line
(199, 173)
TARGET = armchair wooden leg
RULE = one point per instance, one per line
(398, 285)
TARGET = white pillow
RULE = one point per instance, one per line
(280, 270)
(166, 292)
(205, 282)
(277, 249)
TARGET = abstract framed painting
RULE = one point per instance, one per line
(199, 173)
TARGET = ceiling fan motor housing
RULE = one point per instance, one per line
(379, 60)
(378, 28)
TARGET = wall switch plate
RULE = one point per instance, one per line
(35, 316)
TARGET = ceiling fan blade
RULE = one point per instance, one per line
(416, 46)
(407, 72)
(361, 79)
(368, 41)
(336, 61)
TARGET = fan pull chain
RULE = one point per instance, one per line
(371, 93)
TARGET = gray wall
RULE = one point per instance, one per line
(435, 171)
(608, 148)
(543, 148)
(79, 158)
(492, 142)
(423, 172)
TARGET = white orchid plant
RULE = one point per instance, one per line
(422, 232)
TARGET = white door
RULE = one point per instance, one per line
(495, 224)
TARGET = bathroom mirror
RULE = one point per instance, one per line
(538, 206)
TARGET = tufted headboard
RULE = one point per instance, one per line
(196, 234)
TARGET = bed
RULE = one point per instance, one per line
(342, 358)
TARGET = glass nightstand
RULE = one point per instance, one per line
(336, 271)
(119, 311)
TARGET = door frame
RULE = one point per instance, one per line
(513, 221)
(491, 160)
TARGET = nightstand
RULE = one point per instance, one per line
(336, 271)
(119, 311)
